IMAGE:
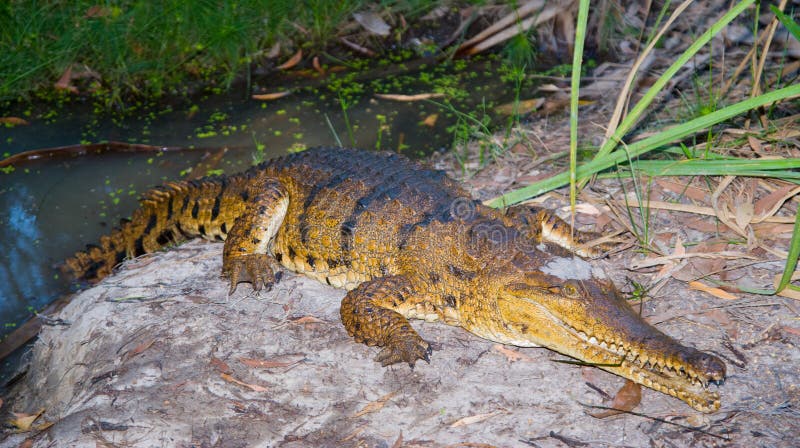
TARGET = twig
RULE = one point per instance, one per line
(658, 419)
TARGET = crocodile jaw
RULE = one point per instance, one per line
(657, 371)
(607, 333)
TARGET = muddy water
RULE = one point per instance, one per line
(50, 208)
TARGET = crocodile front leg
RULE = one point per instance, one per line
(368, 315)
(542, 225)
(246, 254)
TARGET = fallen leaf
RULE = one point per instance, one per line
(788, 291)
(743, 213)
(13, 121)
(430, 120)
(511, 355)
(253, 387)
(755, 144)
(280, 361)
(628, 397)
(716, 292)
(27, 443)
(399, 442)
(408, 98)
(97, 11)
(65, 81)
(373, 23)
(520, 107)
(221, 365)
(769, 204)
(307, 320)
(375, 405)
(698, 420)
(476, 418)
(139, 349)
(315, 63)
(24, 421)
(359, 48)
(791, 330)
(552, 88)
(270, 96)
(682, 189)
(294, 60)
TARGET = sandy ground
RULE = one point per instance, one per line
(160, 355)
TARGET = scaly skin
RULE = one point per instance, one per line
(408, 242)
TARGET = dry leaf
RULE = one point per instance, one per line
(270, 96)
(373, 23)
(755, 144)
(139, 349)
(24, 421)
(520, 107)
(716, 292)
(253, 387)
(476, 418)
(769, 231)
(511, 355)
(787, 292)
(375, 405)
(408, 98)
(628, 397)
(280, 361)
(399, 442)
(97, 11)
(791, 330)
(221, 365)
(294, 60)
(743, 214)
(430, 120)
(13, 121)
(307, 320)
(769, 204)
(552, 88)
(65, 82)
(315, 63)
(679, 188)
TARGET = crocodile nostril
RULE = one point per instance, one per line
(711, 366)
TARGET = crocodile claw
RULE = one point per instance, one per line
(253, 268)
(408, 349)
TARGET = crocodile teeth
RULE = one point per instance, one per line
(593, 340)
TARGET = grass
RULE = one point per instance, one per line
(616, 151)
(139, 48)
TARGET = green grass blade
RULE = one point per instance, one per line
(577, 61)
(787, 21)
(640, 107)
(636, 149)
(791, 259)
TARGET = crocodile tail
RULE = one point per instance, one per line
(154, 225)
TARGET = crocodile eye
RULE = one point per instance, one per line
(570, 291)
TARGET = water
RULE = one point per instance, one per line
(51, 208)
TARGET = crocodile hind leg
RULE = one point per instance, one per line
(246, 256)
(542, 225)
(368, 315)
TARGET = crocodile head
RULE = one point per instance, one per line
(563, 303)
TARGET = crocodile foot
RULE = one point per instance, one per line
(405, 349)
(253, 268)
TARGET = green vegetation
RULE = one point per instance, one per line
(616, 152)
(133, 48)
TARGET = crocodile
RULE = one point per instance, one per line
(409, 242)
